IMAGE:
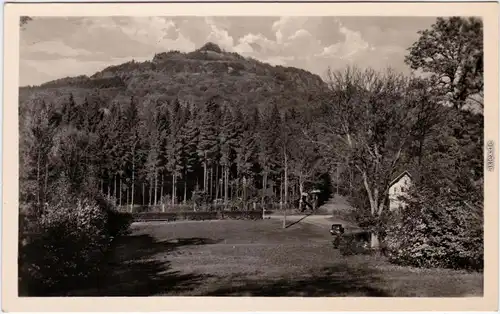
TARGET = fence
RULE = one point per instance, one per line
(213, 207)
(200, 215)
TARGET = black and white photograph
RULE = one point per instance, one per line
(251, 156)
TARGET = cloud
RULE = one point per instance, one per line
(58, 47)
(256, 43)
(286, 26)
(35, 72)
(219, 35)
(155, 33)
(353, 44)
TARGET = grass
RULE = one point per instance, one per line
(260, 258)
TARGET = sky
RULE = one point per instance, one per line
(57, 47)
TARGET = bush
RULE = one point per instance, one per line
(355, 243)
(64, 245)
(437, 231)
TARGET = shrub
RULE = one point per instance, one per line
(64, 245)
(67, 246)
(437, 231)
(355, 243)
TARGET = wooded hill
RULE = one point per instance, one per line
(192, 77)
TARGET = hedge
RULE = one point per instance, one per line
(205, 215)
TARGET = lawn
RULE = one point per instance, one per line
(259, 258)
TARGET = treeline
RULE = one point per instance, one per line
(166, 153)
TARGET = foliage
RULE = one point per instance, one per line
(66, 243)
(437, 230)
(452, 52)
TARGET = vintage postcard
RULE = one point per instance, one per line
(250, 157)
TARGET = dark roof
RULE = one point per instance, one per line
(402, 174)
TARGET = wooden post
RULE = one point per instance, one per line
(284, 215)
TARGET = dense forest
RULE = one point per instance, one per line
(211, 127)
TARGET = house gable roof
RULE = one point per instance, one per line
(396, 179)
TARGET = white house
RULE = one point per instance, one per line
(398, 188)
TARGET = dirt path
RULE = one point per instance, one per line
(321, 221)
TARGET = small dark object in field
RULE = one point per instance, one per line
(337, 230)
(351, 243)
(355, 243)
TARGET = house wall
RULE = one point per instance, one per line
(397, 190)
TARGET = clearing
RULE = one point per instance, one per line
(259, 258)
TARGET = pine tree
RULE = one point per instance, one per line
(207, 139)
(247, 149)
(227, 142)
(269, 154)
(189, 136)
(173, 150)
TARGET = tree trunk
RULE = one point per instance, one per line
(301, 190)
(46, 182)
(185, 189)
(114, 190)
(143, 195)
(38, 178)
(373, 205)
(351, 176)
(120, 190)
(133, 183)
(216, 181)
(156, 188)
(161, 188)
(244, 192)
(281, 190)
(205, 173)
(286, 179)
(337, 179)
(126, 199)
(264, 189)
(374, 241)
(226, 184)
(173, 188)
(108, 187)
(284, 215)
(210, 184)
(150, 196)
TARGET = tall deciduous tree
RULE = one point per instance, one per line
(451, 51)
(370, 122)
